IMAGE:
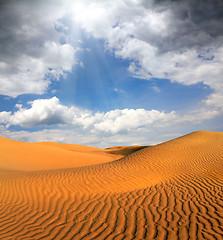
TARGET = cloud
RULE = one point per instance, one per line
(190, 23)
(71, 135)
(32, 54)
(119, 90)
(75, 136)
(4, 117)
(50, 112)
(43, 112)
(71, 124)
(129, 119)
(156, 89)
(177, 40)
(65, 135)
(46, 112)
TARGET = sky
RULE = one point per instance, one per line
(110, 72)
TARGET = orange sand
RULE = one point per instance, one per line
(17, 155)
(169, 191)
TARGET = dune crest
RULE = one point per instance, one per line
(173, 190)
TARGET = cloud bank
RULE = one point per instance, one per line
(46, 112)
(72, 124)
(50, 112)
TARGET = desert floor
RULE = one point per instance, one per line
(173, 190)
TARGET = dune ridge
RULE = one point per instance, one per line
(173, 190)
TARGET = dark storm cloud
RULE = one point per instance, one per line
(193, 24)
(23, 28)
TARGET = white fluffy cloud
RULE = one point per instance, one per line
(42, 112)
(128, 119)
(71, 124)
(45, 112)
(50, 112)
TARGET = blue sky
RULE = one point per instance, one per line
(105, 73)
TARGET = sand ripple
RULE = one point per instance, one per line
(170, 191)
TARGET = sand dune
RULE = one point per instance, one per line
(17, 155)
(170, 191)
